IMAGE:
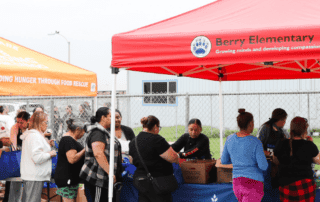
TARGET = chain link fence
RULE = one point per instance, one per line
(175, 110)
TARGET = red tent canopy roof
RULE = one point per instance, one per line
(236, 36)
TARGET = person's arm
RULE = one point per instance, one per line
(98, 152)
(200, 146)
(69, 146)
(225, 157)
(316, 159)
(14, 134)
(315, 153)
(260, 157)
(73, 156)
(262, 136)
(171, 156)
(180, 143)
(38, 155)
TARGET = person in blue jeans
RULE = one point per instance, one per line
(246, 154)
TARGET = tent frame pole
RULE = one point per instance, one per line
(113, 120)
(221, 116)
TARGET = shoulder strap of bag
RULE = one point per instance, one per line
(144, 165)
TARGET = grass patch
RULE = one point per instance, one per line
(169, 133)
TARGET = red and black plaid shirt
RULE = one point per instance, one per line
(302, 190)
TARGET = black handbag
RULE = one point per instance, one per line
(161, 185)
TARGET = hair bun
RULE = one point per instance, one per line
(93, 119)
(144, 120)
(241, 111)
(69, 122)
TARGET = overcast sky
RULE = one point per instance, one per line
(88, 25)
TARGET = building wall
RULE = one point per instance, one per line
(192, 85)
(206, 108)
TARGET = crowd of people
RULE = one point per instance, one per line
(84, 155)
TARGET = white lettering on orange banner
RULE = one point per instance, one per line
(49, 81)
(6, 78)
(10, 46)
(21, 79)
(80, 84)
(6, 59)
(66, 83)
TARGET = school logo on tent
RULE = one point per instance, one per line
(200, 46)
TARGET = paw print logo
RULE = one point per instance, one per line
(214, 198)
(200, 46)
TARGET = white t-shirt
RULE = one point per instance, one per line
(6, 123)
(124, 145)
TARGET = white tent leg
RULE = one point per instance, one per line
(221, 117)
(113, 121)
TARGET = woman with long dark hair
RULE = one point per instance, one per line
(296, 156)
(272, 131)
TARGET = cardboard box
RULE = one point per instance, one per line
(196, 171)
(224, 172)
(52, 192)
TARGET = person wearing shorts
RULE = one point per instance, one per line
(69, 192)
(71, 159)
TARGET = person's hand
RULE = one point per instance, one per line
(6, 141)
(51, 143)
(53, 153)
(309, 138)
(267, 153)
(114, 179)
(6, 149)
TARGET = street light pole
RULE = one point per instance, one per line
(57, 32)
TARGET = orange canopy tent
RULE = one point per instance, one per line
(26, 72)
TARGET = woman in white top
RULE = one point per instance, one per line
(36, 157)
(124, 134)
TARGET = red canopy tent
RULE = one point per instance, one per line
(228, 40)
